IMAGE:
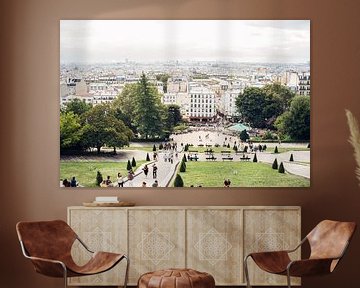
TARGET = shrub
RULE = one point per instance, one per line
(244, 135)
(154, 148)
(276, 150)
(281, 168)
(178, 181)
(182, 166)
(255, 158)
(128, 166)
(147, 157)
(161, 146)
(133, 162)
(186, 147)
(184, 158)
(235, 148)
(264, 147)
(291, 158)
(275, 164)
(245, 149)
(228, 146)
(99, 178)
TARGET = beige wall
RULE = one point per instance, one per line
(29, 109)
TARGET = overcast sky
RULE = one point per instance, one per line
(280, 41)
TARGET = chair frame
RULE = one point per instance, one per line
(26, 255)
(288, 276)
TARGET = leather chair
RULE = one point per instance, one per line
(328, 242)
(48, 245)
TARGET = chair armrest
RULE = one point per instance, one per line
(84, 245)
(48, 267)
(309, 267)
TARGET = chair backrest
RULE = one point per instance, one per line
(329, 239)
(46, 239)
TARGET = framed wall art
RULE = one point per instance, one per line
(184, 103)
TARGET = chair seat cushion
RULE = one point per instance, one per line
(272, 262)
(176, 278)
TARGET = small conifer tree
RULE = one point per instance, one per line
(99, 178)
(276, 150)
(275, 164)
(154, 148)
(245, 149)
(147, 157)
(133, 162)
(128, 166)
(186, 148)
(291, 158)
(178, 181)
(281, 168)
(182, 166)
(255, 158)
(228, 146)
(235, 148)
(184, 158)
(308, 146)
(161, 146)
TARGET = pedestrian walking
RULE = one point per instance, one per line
(146, 170)
(154, 167)
(120, 180)
(130, 177)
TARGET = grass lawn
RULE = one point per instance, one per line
(241, 174)
(85, 171)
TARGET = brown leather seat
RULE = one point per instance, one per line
(328, 242)
(48, 245)
(176, 278)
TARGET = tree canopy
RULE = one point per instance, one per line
(295, 122)
(261, 106)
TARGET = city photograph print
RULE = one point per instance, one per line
(184, 103)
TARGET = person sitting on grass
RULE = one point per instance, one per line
(108, 181)
(103, 184)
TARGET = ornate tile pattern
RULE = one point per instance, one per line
(270, 230)
(213, 246)
(156, 246)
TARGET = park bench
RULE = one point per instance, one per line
(191, 158)
(227, 158)
(245, 158)
(211, 158)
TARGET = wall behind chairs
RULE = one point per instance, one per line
(29, 144)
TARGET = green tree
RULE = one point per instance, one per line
(244, 135)
(261, 106)
(178, 182)
(250, 105)
(275, 164)
(163, 78)
(283, 93)
(124, 105)
(291, 158)
(128, 166)
(281, 168)
(103, 128)
(184, 158)
(70, 130)
(99, 178)
(147, 157)
(276, 150)
(148, 110)
(173, 116)
(154, 148)
(296, 122)
(78, 107)
(133, 162)
(255, 158)
(182, 166)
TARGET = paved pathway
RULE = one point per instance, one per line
(165, 172)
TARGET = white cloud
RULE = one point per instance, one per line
(158, 40)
